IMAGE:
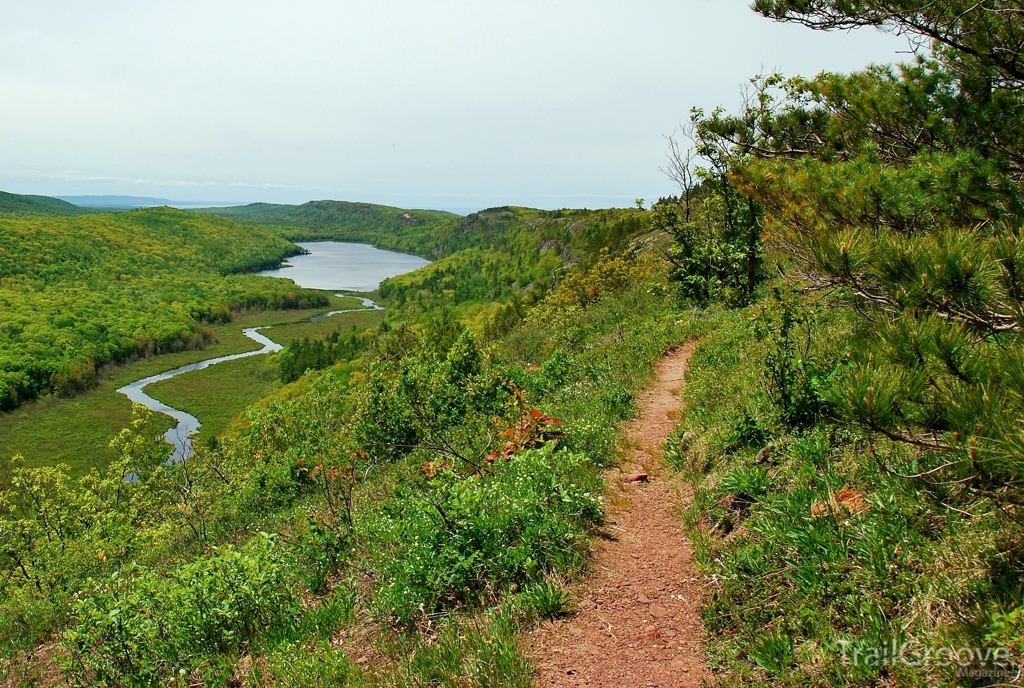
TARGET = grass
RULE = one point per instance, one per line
(74, 431)
(77, 431)
(344, 321)
(219, 393)
(812, 542)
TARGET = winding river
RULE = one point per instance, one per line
(180, 436)
(327, 265)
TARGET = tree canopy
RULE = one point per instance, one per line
(981, 39)
(80, 292)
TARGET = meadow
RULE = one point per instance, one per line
(217, 395)
(77, 430)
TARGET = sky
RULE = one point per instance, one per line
(451, 104)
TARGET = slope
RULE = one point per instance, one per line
(17, 205)
(498, 262)
(500, 257)
(79, 292)
(412, 231)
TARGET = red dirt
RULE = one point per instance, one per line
(637, 622)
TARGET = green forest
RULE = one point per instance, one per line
(78, 293)
(423, 232)
(845, 251)
(18, 205)
(486, 265)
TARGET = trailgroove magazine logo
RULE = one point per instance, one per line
(970, 662)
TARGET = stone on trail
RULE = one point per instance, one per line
(658, 611)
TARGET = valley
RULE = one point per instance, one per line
(77, 430)
(764, 431)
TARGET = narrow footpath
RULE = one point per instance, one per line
(637, 622)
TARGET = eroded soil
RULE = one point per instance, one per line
(637, 622)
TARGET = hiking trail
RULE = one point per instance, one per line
(637, 621)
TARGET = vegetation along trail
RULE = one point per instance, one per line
(638, 621)
(180, 436)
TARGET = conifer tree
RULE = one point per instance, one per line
(899, 189)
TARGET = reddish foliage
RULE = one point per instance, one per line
(533, 429)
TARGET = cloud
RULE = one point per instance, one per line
(395, 101)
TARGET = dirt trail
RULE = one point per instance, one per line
(637, 623)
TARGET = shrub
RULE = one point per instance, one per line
(464, 538)
(610, 275)
(795, 377)
(139, 628)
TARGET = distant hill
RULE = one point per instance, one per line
(436, 234)
(17, 205)
(412, 231)
(129, 202)
(80, 292)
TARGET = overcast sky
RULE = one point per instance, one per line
(440, 104)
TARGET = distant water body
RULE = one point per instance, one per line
(336, 265)
(329, 265)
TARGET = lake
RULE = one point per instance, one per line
(343, 266)
(329, 265)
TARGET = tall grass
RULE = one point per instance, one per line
(812, 543)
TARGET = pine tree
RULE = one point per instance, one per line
(899, 189)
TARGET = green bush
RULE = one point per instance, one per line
(139, 627)
(466, 539)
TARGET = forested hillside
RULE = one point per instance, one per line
(375, 470)
(510, 256)
(79, 292)
(413, 231)
(481, 261)
(16, 205)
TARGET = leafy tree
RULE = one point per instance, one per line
(717, 230)
(316, 354)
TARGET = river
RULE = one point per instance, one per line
(326, 265)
